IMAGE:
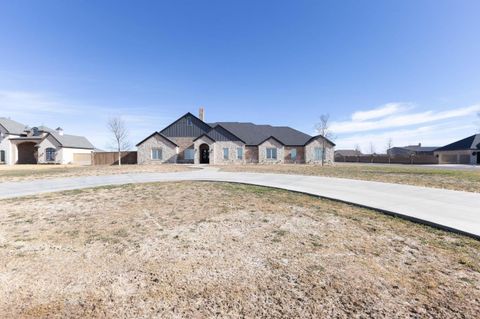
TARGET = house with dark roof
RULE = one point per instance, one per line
(464, 151)
(340, 155)
(20, 144)
(411, 150)
(190, 139)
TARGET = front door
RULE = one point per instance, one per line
(204, 154)
(478, 158)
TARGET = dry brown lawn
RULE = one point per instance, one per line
(222, 250)
(461, 180)
(19, 173)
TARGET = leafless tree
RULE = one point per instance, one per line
(323, 129)
(389, 146)
(117, 127)
(358, 150)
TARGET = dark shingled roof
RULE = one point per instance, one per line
(348, 153)
(469, 143)
(253, 134)
(417, 148)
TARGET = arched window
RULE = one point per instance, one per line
(50, 154)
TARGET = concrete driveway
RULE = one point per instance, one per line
(453, 210)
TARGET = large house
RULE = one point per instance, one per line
(411, 150)
(191, 140)
(464, 151)
(20, 144)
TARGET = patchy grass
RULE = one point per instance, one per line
(29, 172)
(225, 250)
(461, 180)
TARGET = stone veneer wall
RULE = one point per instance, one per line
(262, 152)
(183, 143)
(144, 151)
(211, 145)
(310, 151)
(232, 152)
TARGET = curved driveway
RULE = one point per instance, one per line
(453, 210)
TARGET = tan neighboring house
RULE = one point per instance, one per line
(190, 139)
(465, 151)
(20, 144)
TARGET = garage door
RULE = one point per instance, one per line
(82, 158)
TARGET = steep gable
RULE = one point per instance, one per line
(186, 126)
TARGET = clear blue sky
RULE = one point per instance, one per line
(416, 64)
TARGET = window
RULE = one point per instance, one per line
(189, 121)
(271, 153)
(318, 153)
(2, 156)
(50, 154)
(239, 153)
(189, 154)
(293, 154)
(225, 153)
(157, 154)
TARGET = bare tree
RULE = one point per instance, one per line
(323, 129)
(358, 150)
(389, 146)
(117, 127)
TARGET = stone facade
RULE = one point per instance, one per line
(320, 143)
(211, 145)
(183, 144)
(169, 151)
(262, 152)
(232, 152)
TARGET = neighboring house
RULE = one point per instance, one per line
(191, 140)
(340, 155)
(465, 151)
(411, 150)
(20, 144)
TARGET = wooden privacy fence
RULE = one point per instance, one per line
(383, 159)
(111, 158)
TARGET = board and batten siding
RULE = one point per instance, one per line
(180, 128)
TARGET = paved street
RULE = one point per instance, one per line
(455, 210)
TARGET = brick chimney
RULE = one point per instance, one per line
(201, 113)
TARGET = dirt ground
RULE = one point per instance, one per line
(29, 172)
(461, 180)
(172, 250)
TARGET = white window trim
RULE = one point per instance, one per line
(227, 157)
(161, 154)
(271, 157)
(240, 154)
